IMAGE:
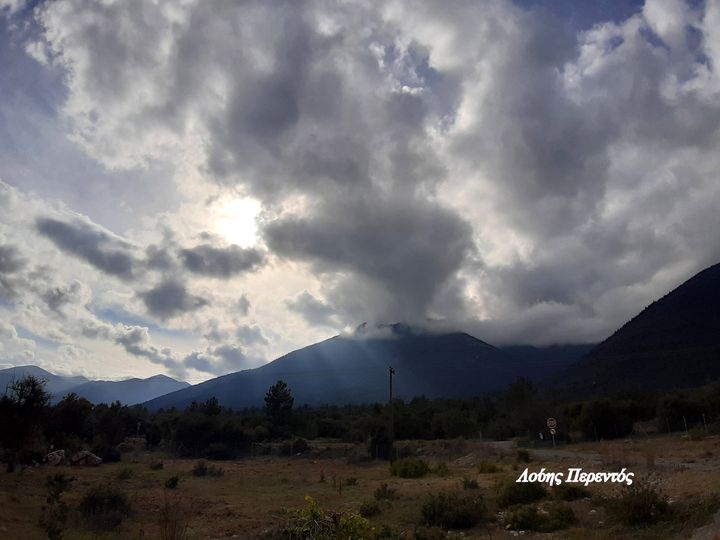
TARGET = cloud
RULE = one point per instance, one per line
(10, 259)
(314, 311)
(408, 247)
(219, 360)
(220, 262)
(170, 298)
(58, 297)
(86, 240)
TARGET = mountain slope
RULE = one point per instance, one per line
(57, 385)
(674, 342)
(354, 369)
(130, 391)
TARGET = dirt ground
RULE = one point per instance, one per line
(252, 495)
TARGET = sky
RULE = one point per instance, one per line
(195, 188)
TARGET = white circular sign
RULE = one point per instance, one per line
(551, 423)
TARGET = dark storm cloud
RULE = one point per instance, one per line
(90, 243)
(10, 259)
(314, 311)
(408, 247)
(170, 298)
(221, 262)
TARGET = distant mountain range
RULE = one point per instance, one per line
(672, 343)
(354, 369)
(128, 392)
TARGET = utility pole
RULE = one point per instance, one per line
(392, 417)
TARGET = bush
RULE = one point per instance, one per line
(453, 510)
(441, 469)
(469, 483)
(172, 482)
(511, 492)
(291, 448)
(201, 468)
(569, 492)
(313, 522)
(174, 520)
(54, 518)
(639, 505)
(126, 473)
(384, 493)
(351, 481)
(157, 466)
(523, 456)
(527, 518)
(487, 467)
(369, 509)
(104, 507)
(410, 468)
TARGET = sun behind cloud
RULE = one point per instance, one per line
(236, 221)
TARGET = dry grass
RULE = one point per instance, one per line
(252, 494)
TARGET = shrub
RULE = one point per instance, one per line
(369, 509)
(639, 504)
(313, 522)
(511, 492)
(172, 482)
(104, 507)
(384, 493)
(54, 518)
(453, 510)
(201, 468)
(174, 520)
(410, 468)
(569, 492)
(469, 483)
(351, 481)
(527, 518)
(441, 469)
(157, 466)
(523, 456)
(297, 446)
(126, 473)
(487, 467)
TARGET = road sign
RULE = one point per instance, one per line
(551, 423)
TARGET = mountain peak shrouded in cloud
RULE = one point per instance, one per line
(202, 187)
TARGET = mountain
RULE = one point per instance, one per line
(672, 343)
(354, 369)
(55, 384)
(130, 391)
(544, 363)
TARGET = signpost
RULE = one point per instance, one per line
(552, 424)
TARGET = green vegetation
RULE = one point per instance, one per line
(487, 467)
(529, 518)
(104, 507)
(640, 504)
(570, 492)
(454, 510)
(510, 493)
(384, 493)
(315, 523)
(201, 468)
(410, 468)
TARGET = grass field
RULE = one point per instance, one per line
(251, 497)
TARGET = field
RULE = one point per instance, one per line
(251, 498)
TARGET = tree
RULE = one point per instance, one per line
(279, 403)
(22, 412)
